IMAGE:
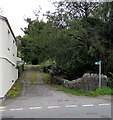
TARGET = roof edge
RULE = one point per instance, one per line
(6, 20)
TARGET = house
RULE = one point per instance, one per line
(8, 55)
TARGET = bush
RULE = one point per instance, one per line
(110, 81)
(47, 65)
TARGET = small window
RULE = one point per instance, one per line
(8, 40)
(8, 32)
(8, 49)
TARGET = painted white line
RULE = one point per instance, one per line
(90, 105)
(31, 108)
(12, 109)
(53, 106)
(71, 106)
(19, 109)
(104, 104)
(2, 110)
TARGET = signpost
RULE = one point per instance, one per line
(99, 63)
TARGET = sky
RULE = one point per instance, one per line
(18, 10)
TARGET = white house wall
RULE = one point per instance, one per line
(8, 54)
(8, 44)
(0, 38)
(0, 59)
(0, 77)
(9, 76)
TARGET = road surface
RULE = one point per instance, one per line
(44, 101)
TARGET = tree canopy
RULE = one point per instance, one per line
(75, 36)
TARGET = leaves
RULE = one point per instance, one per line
(75, 36)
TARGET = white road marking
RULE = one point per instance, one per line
(16, 109)
(85, 105)
(19, 109)
(2, 110)
(31, 108)
(71, 106)
(104, 104)
(12, 109)
(53, 106)
(90, 105)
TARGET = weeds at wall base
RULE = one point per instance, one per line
(97, 92)
(16, 88)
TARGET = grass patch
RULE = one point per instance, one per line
(38, 66)
(16, 88)
(33, 83)
(25, 67)
(103, 91)
(33, 78)
(45, 77)
(97, 92)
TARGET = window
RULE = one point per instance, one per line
(8, 32)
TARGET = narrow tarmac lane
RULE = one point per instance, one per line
(44, 101)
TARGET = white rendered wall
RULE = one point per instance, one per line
(9, 49)
(9, 76)
(8, 54)
(0, 38)
(0, 77)
(0, 59)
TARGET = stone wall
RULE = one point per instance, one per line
(85, 83)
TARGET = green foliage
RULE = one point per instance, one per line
(111, 74)
(104, 91)
(47, 63)
(110, 81)
(15, 91)
(74, 37)
(97, 92)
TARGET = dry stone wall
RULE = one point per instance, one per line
(85, 83)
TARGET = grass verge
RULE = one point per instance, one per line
(97, 92)
(33, 78)
(45, 77)
(16, 88)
